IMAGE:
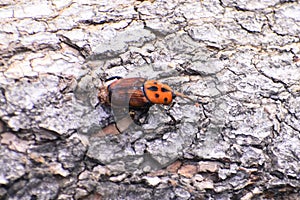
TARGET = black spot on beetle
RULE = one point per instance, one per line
(156, 95)
(164, 90)
(153, 88)
(165, 99)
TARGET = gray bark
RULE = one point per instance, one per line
(239, 58)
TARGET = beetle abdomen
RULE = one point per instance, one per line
(128, 92)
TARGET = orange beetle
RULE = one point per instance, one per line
(125, 95)
(137, 93)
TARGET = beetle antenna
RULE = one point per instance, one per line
(185, 96)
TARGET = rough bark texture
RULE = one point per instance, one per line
(241, 57)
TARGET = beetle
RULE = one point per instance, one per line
(131, 98)
(137, 93)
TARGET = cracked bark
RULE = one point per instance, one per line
(240, 56)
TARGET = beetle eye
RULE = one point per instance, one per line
(153, 88)
(164, 90)
(173, 95)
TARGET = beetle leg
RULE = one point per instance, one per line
(112, 78)
(173, 120)
(115, 128)
(138, 115)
